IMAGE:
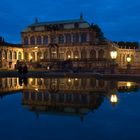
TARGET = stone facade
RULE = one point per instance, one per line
(9, 54)
(64, 40)
(48, 42)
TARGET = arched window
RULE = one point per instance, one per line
(93, 54)
(39, 40)
(45, 55)
(61, 39)
(45, 40)
(26, 42)
(15, 55)
(33, 56)
(53, 39)
(26, 56)
(83, 37)
(83, 54)
(76, 54)
(53, 51)
(39, 55)
(75, 38)
(68, 55)
(76, 82)
(101, 54)
(93, 82)
(83, 82)
(4, 54)
(132, 58)
(10, 55)
(68, 38)
(101, 83)
(19, 56)
(32, 40)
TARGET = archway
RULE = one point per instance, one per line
(93, 54)
(83, 54)
(101, 54)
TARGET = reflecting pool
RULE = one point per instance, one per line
(69, 109)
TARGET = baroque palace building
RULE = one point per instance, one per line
(49, 43)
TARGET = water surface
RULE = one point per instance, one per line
(72, 109)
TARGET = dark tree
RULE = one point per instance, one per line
(99, 34)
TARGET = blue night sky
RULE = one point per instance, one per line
(119, 19)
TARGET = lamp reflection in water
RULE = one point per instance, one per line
(114, 99)
(113, 93)
(128, 84)
(113, 55)
(69, 80)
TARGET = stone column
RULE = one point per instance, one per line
(35, 56)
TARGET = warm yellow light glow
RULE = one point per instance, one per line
(76, 57)
(69, 80)
(76, 79)
(48, 68)
(113, 54)
(69, 56)
(113, 98)
(3, 58)
(31, 80)
(128, 59)
(128, 84)
(31, 57)
(36, 47)
(36, 89)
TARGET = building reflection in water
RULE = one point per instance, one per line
(69, 96)
(127, 87)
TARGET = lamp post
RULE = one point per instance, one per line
(128, 59)
(113, 55)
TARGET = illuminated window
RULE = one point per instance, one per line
(76, 54)
(68, 54)
(26, 56)
(5, 54)
(10, 55)
(19, 56)
(15, 55)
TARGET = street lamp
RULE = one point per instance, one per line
(128, 59)
(113, 55)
